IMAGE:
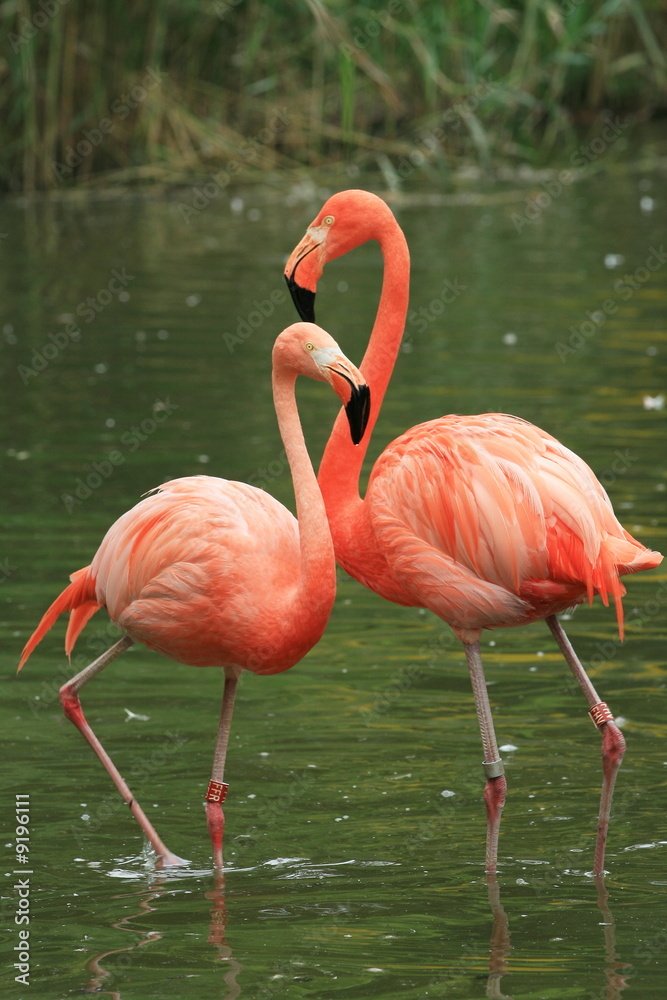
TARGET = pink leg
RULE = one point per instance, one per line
(217, 787)
(496, 784)
(69, 697)
(613, 743)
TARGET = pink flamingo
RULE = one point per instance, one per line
(486, 520)
(217, 573)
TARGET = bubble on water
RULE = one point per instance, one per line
(613, 260)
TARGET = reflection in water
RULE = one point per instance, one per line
(500, 941)
(216, 937)
(615, 973)
(614, 980)
(99, 974)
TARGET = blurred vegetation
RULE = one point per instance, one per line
(100, 91)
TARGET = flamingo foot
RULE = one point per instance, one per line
(215, 820)
(495, 793)
(613, 749)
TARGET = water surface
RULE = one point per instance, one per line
(348, 872)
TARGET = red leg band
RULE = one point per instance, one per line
(217, 791)
(600, 714)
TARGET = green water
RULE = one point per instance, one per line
(348, 872)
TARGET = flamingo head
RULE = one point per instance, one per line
(307, 349)
(345, 221)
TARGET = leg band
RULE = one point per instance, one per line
(217, 791)
(493, 768)
(600, 714)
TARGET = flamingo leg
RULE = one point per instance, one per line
(217, 787)
(69, 698)
(496, 783)
(613, 742)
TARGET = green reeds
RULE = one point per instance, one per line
(92, 92)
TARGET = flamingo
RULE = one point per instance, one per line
(211, 572)
(486, 520)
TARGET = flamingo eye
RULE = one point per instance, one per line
(328, 220)
(310, 347)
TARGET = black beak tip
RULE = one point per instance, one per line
(303, 299)
(358, 410)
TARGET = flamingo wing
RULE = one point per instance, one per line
(489, 521)
(174, 571)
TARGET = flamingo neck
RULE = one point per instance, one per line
(342, 461)
(317, 585)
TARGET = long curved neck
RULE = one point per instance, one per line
(342, 461)
(318, 575)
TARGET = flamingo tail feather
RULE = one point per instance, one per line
(78, 598)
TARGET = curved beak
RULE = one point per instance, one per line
(306, 260)
(348, 383)
(358, 410)
(303, 299)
